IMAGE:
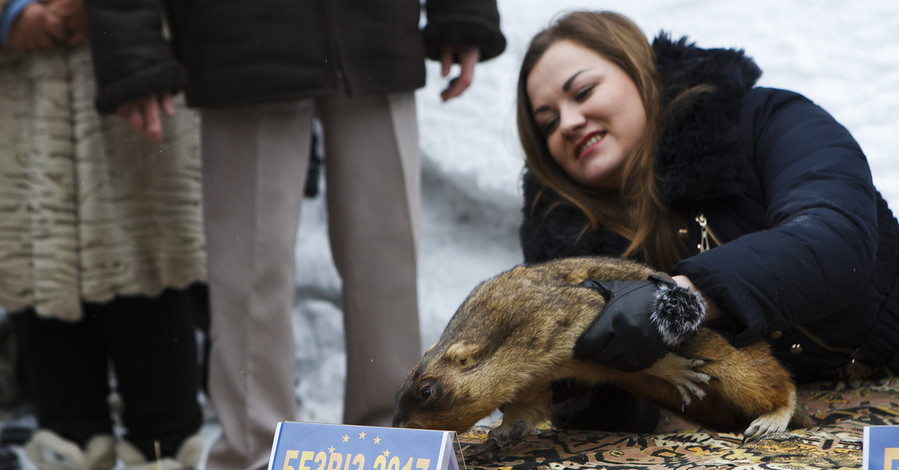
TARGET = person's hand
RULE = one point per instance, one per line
(640, 321)
(468, 57)
(41, 26)
(71, 12)
(712, 312)
(143, 116)
(36, 29)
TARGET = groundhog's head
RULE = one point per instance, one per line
(510, 332)
(437, 395)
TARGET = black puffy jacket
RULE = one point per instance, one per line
(232, 52)
(809, 254)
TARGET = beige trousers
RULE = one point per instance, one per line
(254, 167)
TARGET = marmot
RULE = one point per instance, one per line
(514, 335)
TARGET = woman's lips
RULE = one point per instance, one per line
(588, 144)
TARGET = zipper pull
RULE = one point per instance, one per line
(703, 245)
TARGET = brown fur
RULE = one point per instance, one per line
(515, 333)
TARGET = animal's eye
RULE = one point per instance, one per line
(426, 393)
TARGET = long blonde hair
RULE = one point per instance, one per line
(635, 211)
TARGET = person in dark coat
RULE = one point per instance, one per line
(260, 72)
(755, 198)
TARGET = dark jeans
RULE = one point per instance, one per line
(150, 343)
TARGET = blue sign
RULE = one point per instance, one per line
(880, 448)
(310, 446)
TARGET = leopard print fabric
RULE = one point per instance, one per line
(840, 410)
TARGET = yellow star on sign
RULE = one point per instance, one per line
(362, 435)
(377, 440)
(331, 450)
(346, 438)
(386, 453)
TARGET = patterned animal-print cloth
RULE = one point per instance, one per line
(840, 410)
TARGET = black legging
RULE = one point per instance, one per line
(151, 345)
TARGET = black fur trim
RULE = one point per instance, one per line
(678, 313)
(698, 152)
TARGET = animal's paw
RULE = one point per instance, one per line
(510, 432)
(762, 426)
(488, 451)
(774, 421)
(677, 313)
(681, 373)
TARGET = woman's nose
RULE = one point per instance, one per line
(571, 120)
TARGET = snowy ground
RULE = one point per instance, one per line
(843, 55)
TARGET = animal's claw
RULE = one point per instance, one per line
(750, 435)
(681, 373)
(776, 420)
(764, 425)
(685, 397)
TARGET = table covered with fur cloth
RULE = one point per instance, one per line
(840, 410)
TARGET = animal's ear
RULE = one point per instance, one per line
(462, 353)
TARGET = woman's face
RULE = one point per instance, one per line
(589, 111)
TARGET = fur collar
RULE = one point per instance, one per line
(699, 153)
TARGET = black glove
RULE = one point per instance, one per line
(640, 321)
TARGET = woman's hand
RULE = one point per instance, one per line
(622, 335)
(36, 29)
(71, 12)
(711, 309)
(640, 322)
(41, 26)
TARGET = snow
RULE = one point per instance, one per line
(841, 54)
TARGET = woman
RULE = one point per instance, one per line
(755, 198)
(102, 256)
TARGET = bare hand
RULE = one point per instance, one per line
(468, 58)
(71, 12)
(41, 26)
(712, 312)
(143, 116)
(36, 29)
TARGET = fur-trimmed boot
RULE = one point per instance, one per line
(187, 458)
(49, 451)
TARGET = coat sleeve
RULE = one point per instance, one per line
(7, 18)
(132, 58)
(463, 23)
(819, 249)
